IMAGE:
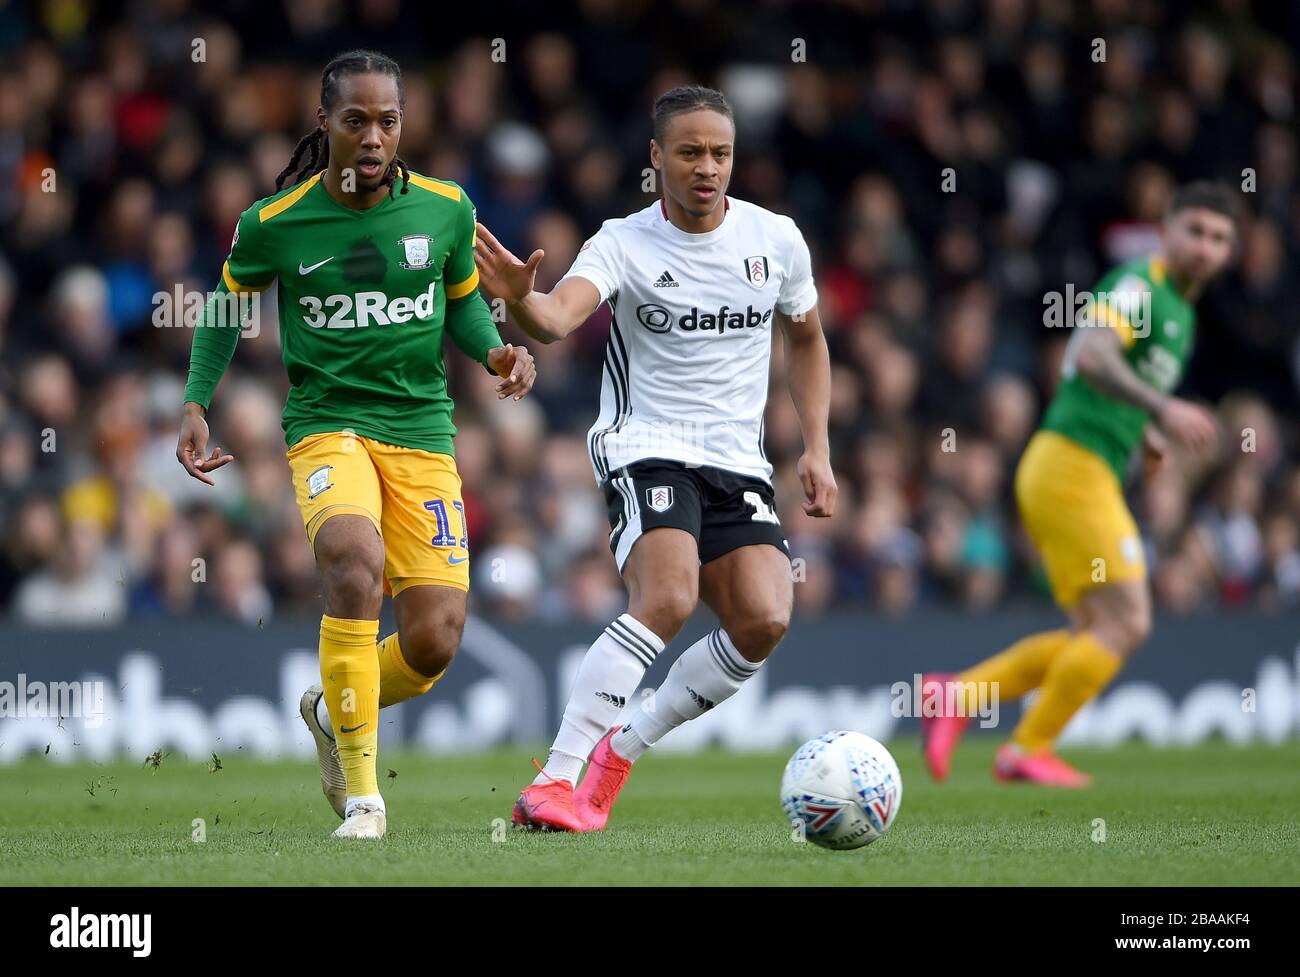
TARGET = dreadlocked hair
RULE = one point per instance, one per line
(312, 154)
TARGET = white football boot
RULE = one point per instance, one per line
(332, 783)
(365, 821)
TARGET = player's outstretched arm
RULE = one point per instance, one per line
(211, 349)
(469, 323)
(249, 269)
(1100, 360)
(515, 366)
(808, 363)
(1155, 451)
(545, 316)
(192, 445)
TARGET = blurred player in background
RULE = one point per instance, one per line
(695, 282)
(1121, 364)
(370, 277)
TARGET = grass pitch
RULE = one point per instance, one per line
(1212, 815)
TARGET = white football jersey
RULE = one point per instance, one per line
(686, 366)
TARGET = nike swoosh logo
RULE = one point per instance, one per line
(345, 729)
(308, 270)
(456, 562)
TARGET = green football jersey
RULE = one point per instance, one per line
(1157, 327)
(364, 297)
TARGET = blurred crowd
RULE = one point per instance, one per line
(949, 162)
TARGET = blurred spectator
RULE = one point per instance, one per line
(238, 587)
(79, 586)
(509, 579)
(930, 288)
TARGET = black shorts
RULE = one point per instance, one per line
(721, 509)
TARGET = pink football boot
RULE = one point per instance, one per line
(547, 807)
(1047, 769)
(940, 734)
(606, 774)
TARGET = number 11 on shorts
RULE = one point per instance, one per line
(445, 536)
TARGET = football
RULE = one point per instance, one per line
(842, 789)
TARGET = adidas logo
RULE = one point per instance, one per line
(667, 281)
(614, 700)
(700, 701)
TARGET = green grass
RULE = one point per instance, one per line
(1213, 815)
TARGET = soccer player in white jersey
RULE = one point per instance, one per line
(696, 282)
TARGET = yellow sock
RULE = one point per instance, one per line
(1017, 670)
(1079, 672)
(349, 671)
(398, 681)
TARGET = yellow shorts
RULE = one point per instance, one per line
(412, 497)
(1073, 508)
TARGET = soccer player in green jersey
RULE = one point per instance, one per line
(374, 264)
(1130, 346)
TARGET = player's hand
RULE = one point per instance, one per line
(818, 484)
(1155, 451)
(516, 367)
(192, 446)
(502, 274)
(1191, 425)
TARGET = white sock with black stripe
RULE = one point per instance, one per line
(609, 674)
(708, 672)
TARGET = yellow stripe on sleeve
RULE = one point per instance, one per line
(460, 290)
(1118, 321)
(433, 186)
(287, 201)
(235, 286)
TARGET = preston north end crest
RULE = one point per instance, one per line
(319, 480)
(756, 270)
(416, 247)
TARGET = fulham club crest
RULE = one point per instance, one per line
(416, 247)
(659, 498)
(756, 270)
